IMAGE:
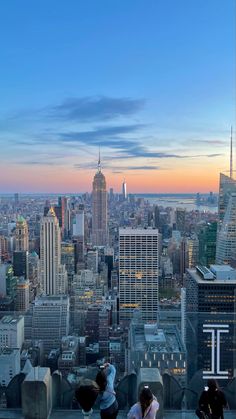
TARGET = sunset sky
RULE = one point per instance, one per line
(150, 82)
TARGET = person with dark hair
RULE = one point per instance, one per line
(108, 403)
(146, 407)
(212, 402)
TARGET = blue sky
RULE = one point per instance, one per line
(152, 82)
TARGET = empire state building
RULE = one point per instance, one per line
(99, 212)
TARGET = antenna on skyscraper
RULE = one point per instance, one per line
(99, 160)
(231, 153)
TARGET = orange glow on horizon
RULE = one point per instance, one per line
(69, 180)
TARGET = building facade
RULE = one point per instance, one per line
(9, 365)
(99, 209)
(226, 238)
(210, 321)
(227, 187)
(53, 275)
(22, 294)
(21, 235)
(48, 320)
(138, 272)
(11, 332)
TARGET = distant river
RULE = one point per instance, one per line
(178, 201)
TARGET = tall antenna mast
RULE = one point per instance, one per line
(231, 153)
(99, 161)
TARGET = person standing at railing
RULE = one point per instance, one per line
(212, 402)
(146, 407)
(108, 404)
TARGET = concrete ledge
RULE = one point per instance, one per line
(77, 414)
(37, 394)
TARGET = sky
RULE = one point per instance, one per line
(150, 82)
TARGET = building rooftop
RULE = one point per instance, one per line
(51, 299)
(8, 351)
(138, 231)
(220, 276)
(10, 320)
(153, 338)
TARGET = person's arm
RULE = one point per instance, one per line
(224, 401)
(111, 373)
(155, 405)
(131, 413)
(203, 401)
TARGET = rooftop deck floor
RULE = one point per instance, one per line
(77, 414)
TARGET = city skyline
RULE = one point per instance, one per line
(158, 96)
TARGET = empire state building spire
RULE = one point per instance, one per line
(99, 208)
(99, 161)
(231, 153)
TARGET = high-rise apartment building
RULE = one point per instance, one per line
(53, 274)
(99, 209)
(138, 272)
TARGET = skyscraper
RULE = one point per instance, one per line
(227, 187)
(210, 321)
(138, 270)
(21, 235)
(207, 244)
(62, 212)
(124, 190)
(192, 251)
(20, 255)
(22, 294)
(53, 274)
(226, 239)
(180, 219)
(99, 209)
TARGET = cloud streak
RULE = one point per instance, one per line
(95, 108)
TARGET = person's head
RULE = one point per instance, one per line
(101, 380)
(212, 384)
(145, 398)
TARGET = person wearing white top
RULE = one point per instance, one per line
(146, 407)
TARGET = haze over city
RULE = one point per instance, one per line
(151, 83)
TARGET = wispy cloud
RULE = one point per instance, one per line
(79, 110)
(106, 136)
(38, 163)
(214, 155)
(211, 142)
(96, 108)
(117, 169)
